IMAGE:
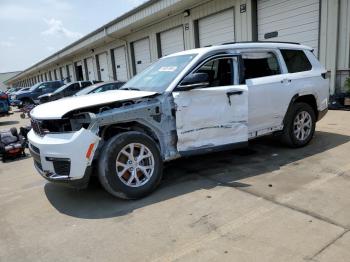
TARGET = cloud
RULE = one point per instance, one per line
(56, 28)
(6, 43)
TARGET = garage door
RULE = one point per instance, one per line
(216, 29)
(120, 63)
(172, 41)
(293, 21)
(142, 56)
(103, 66)
(90, 69)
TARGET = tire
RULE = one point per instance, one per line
(291, 135)
(26, 102)
(125, 182)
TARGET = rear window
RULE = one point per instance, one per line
(296, 61)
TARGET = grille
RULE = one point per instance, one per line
(62, 167)
(36, 127)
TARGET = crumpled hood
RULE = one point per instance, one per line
(57, 109)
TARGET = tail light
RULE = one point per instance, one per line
(4, 96)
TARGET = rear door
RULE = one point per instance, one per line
(267, 86)
(216, 115)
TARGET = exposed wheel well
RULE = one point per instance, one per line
(109, 131)
(310, 100)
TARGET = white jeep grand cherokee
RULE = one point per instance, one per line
(188, 103)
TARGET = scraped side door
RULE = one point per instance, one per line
(216, 115)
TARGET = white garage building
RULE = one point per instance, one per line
(130, 43)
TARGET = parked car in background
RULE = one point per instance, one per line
(12, 90)
(31, 95)
(100, 87)
(64, 91)
(4, 104)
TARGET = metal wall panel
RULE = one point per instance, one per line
(293, 21)
(121, 67)
(142, 56)
(216, 29)
(172, 41)
(103, 66)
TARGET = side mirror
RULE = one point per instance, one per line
(196, 80)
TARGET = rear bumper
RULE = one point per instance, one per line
(61, 158)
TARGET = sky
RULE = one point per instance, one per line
(31, 30)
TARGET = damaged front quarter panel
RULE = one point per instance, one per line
(155, 114)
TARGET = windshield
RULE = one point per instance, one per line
(33, 87)
(158, 76)
(87, 90)
(61, 88)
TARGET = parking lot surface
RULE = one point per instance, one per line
(263, 203)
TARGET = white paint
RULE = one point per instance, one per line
(295, 21)
(217, 29)
(205, 118)
(57, 109)
(56, 145)
(103, 63)
(90, 68)
(172, 41)
(142, 54)
(121, 67)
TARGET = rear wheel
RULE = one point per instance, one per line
(27, 102)
(300, 125)
(130, 165)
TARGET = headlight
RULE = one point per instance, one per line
(13, 97)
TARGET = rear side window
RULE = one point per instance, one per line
(85, 84)
(296, 61)
(260, 64)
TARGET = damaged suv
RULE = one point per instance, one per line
(188, 103)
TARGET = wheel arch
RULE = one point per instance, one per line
(309, 99)
(108, 131)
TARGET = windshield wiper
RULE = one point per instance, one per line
(129, 88)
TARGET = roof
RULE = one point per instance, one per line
(240, 45)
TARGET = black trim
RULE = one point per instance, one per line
(196, 34)
(254, 5)
(114, 71)
(159, 45)
(133, 63)
(86, 70)
(201, 151)
(321, 114)
(98, 67)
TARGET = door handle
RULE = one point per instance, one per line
(232, 93)
(286, 80)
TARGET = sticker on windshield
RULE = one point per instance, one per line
(167, 69)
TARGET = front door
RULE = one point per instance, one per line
(215, 115)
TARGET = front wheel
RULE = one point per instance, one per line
(300, 125)
(130, 165)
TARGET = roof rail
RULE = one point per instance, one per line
(252, 42)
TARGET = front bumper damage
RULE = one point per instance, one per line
(64, 158)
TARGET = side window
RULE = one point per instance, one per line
(75, 87)
(85, 84)
(260, 64)
(296, 60)
(220, 71)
